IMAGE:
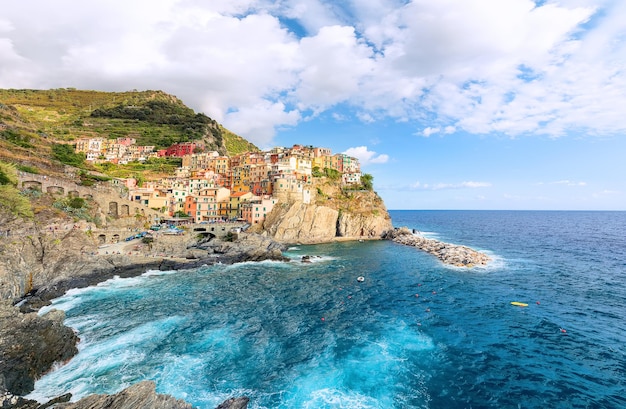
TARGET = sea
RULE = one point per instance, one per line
(414, 333)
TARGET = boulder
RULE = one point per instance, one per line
(141, 395)
(30, 345)
(452, 254)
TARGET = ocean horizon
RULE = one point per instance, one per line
(413, 334)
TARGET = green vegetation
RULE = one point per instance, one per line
(16, 138)
(65, 154)
(76, 207)
(331, 174)
(8, 174)
(367, 181)
(13, 205)
(183, 124)
(152, 166)
(76, 202)
(235, 144)
(38, 118)
(316, 172)
(26, 168)
(89, 179)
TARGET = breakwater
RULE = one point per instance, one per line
(451, 254)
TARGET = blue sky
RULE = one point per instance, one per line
(449, 104)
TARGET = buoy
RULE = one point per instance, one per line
(417, 295)
(538, 303)
(563, 330)
(360, 279)
(323, 319)
(434, 292)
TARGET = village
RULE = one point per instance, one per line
(212, 188)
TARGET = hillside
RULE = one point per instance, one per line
(32, 122)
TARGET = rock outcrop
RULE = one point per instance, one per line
(30, 345)
(243, 247)
(452, 254)
(141, 395)
(330, 214)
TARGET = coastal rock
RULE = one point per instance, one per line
(362, 225)
(234, 403)
(8, 400)
(330, 212)
(298, 222)
(141, 395)
(452, 254)
(243, 247)
(30, 345)
(175, 253)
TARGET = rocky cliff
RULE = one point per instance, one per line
(332, 213)
(30, 345)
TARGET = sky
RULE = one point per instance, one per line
(448, 104)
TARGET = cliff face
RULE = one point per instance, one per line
(332, 213)
(33, 256)
(29, 345)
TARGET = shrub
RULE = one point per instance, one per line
(16, 138)
(29, 169)
(65, 154)
(76, 202)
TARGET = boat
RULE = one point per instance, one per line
(519, 304)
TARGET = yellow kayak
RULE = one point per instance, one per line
(519, 304)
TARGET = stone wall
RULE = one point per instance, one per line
(110, 201)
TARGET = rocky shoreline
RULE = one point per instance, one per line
(30, 344)
(451, 254)
(42, 341)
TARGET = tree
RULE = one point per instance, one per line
(12, 204)
(316, 172)
(8, 174)
(367, 181)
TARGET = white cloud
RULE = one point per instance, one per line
(564, 182)
(366, 156)
(365, 117)
(428, 131)
(334, 62)
(482, 66)
(449, 186)
(569, 183)
(254, 120)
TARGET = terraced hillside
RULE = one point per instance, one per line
(33, 122)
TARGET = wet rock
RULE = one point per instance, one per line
(141, 395)
(452, 254)
(30, 345)
(234, 403)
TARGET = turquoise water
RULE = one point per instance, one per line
(414, 334)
